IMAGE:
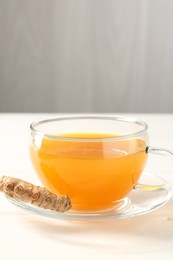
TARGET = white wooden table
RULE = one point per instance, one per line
(30, 236)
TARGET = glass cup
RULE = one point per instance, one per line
(95, 160)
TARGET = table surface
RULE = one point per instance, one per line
(23, 234)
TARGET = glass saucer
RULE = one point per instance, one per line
(137, 203)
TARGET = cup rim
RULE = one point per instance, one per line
(134, 120)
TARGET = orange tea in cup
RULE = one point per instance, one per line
(95, 161)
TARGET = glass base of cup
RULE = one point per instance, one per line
(119, 206)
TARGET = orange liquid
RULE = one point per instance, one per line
(95, 175)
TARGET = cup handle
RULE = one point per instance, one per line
(159, 151)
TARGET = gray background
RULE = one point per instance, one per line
(86, 56)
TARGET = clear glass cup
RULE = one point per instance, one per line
(95, 160)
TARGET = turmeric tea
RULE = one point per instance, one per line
(95, 174)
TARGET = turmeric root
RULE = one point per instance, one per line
(33, 194)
